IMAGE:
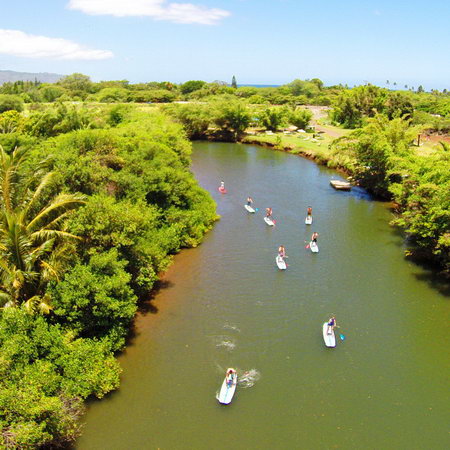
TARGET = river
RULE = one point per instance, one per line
(225, 304)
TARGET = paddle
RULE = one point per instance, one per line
(341, 335)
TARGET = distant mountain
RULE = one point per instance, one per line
(11, 76)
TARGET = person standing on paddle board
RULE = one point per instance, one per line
(281, 251)
(230, 376)
(309, 212)
(269, 213)
(314, 237)
(249, 201)
(331, 324)
(222, 185)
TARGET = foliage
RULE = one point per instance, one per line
(195, 118)
(112, 95)
(10, 103)
(191, 86)
(424, 204)
(377, 149)
(273, 118)
(300, 118)
(142, 205)
(233, 116)
(34, 245)
(45, 374)
(11, 122)
(78, 85)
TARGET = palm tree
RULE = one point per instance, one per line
(34, 246)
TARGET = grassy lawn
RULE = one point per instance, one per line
(299, 143)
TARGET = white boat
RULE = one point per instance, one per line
(329, 338)
(249, 208)
(227, 390)
(314, 247)
(308, 220)
(269, 221)
(281, 263)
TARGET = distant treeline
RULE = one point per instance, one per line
(351, 105)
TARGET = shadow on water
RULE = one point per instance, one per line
(432, 274)
(145, 306)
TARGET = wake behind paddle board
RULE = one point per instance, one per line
(314, 247)
(269, 222)
(281, 263)
(308, 220)
(249, 208)
(227, 390)
(330, 339)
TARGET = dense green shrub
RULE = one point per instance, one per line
(10, 103)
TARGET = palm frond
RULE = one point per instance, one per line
(62, 202)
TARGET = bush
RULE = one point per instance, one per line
(10, 103)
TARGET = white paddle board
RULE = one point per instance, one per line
(249, 208)
(314, 247)
(269, 222)
(308, 220)
(281, 263)
(330, 339)
(227, 390)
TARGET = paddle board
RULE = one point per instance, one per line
(308, 220)
(227, 390)
(249, 208)
(330, 339)
(222, 190)
(281, 263)
(314, 247)
(269, 222)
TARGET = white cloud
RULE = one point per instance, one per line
(157, 9)
(18, 43)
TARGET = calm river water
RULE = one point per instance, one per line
(225, 304)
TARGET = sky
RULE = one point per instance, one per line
(258, 41)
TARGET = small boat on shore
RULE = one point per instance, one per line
(228, 387)
(341, 185)
(329, 338)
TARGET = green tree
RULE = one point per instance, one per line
(10, 103)
(300, 118)
(191, 86)
(232, 116)
(273, 118)
(34, 246)
(78, 85)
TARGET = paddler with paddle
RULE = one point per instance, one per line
(230, 377)
(309, 212)
(282, 251)
(331, 324)
(269, 213)
(249, 201)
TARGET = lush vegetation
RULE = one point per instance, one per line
(93, 206)
(96, 196)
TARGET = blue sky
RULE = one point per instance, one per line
(259, 41)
